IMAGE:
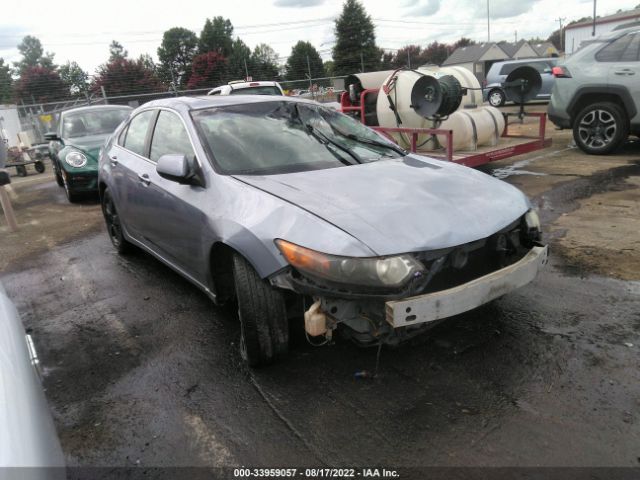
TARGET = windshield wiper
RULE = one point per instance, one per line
(376, 143)
(324, 140)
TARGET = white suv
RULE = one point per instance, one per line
(248, 88)
(597, 92)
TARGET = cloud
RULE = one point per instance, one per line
(505, 8)
(423, 9)
(298, 3)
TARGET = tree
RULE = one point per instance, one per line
(208, 70)
(240, 53)
(216, 36)
(462, 42)
(355, 41)
(40, 85)
(179, 46)
(33, 55)
(304, 57)
(117, 51)
(6, 83)
(328, 68)
(556, 39)
(264, 62)
(123, 76)
(436, 53)
(76, 79)
(147, 62)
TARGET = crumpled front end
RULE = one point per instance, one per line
(451, 281)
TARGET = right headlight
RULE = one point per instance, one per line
(391, 272)
(76, 159)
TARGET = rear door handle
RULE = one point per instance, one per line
(624, 71)
(144, 179)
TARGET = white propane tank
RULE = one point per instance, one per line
(401, 97)
(466, 78)
(474, 127)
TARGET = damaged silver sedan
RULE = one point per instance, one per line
(294, 210)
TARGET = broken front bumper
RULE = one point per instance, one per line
(453, 301)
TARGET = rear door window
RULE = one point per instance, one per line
(137, 132)
(614, 51)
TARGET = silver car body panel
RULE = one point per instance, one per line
(381, 208)
(27, 435)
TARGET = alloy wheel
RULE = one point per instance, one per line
(597, 128)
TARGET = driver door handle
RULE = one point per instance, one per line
(114, 161)
(144, 179)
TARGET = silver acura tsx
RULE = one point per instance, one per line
(302, 214)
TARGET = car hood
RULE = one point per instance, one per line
(402, 205)
(89, 145)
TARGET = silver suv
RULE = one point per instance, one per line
(597, 92)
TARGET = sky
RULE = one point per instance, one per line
(81, 30)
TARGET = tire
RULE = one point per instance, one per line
(264, 329)
(600, 128)
(39, 166)
(114, 226)
(496, 98)
(56, 170)
(21, 170)
(72, 196)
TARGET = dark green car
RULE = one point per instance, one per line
(74, 148)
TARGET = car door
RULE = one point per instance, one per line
(623, 59)
(174, 221)
(129, 163)
(548, 79)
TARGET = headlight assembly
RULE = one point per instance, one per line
(76, 159)
(367, 272)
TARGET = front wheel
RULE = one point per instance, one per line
(497, 98)
(600, 128)
(114, 227)
(72, 196)
(264, 328)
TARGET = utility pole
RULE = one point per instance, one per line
(361, 62)
(593, 33)
(560, 20)
(310, 84)
(488, 24)
(409, 58)
(246, 70)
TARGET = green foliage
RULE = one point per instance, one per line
(6, 83)
(556, 39)
(217, 36)
(76, 79)
(264, 63)
(33, 55)
(355, 41)
(179, 45)
(240, 53)
(304, 57)
(117, 51)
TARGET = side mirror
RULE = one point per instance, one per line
(178, 168)
(51, 136)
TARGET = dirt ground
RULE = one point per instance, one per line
(140, 369)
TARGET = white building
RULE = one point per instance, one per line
(577, 33)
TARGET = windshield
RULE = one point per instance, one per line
(269, 90)
(93, 122)
(281, 137)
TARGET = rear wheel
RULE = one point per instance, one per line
(114, 227)
(39, 166)
(264, 332)
(600, 128)
(497, 98)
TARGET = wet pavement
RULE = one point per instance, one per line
(141, 369)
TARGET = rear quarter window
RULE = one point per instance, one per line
(614, 51)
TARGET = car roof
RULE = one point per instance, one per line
(526, 60)
(90, 108)
(208, 101)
